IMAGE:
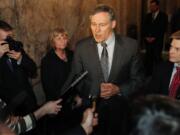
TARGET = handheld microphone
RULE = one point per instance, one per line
(77, 80)
(68, 94)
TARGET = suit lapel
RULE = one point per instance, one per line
(96, 60)
(117, 61)
(167, 76)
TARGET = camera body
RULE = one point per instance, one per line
(13, 44)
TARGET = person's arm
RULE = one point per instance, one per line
(51, 107)
(86, 126)
(89, 120)
(28, 122)
(21, 124)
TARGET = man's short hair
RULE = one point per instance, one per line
(156, 115)
(104, 8)
(5, 26)
(155, 1)
(175, 35)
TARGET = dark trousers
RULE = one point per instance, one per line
(113, 115)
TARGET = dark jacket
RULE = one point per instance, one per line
(13, 83)
(54, 73)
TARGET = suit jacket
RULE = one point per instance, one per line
(126, 70)
(155, 28)
(160, 81)
(13, 83)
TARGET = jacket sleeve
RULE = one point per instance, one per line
(28, 65)
(23, 124)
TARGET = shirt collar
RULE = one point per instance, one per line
(156, 13)
(176, 65)
(109, 40)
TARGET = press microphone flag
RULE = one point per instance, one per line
(78, 79)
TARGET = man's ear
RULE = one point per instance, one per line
(113, 24)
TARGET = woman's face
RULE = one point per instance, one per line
(60, 41)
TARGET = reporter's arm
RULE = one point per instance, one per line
(28, 122)
(51, 107)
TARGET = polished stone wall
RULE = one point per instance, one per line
(33, 19)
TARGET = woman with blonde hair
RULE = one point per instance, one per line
(55, 67)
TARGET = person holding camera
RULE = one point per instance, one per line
(16, 67)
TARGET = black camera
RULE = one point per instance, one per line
(13, 44)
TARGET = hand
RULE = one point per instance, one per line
(108, 90)
(3, 48)
(14, 55)
(52, 107)
(89, 120)
(13, 120)
(78, 101)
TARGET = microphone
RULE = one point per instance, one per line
(77, 80)
(67, 93)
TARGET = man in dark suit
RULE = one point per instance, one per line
(16, 67)
(164, 75)
(154, 28)
(111, 77)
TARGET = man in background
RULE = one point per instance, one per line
(166, 76)
(154, 28)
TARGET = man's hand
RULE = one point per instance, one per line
(3, 48)
(14, 55)
(108, 90)
(89, 120)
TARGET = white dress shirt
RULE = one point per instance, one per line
(110, 48)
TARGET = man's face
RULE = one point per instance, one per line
(102, 26)
(153, 7)
(4, 34)
(174, 52)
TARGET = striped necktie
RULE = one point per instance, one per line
(175, 83)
